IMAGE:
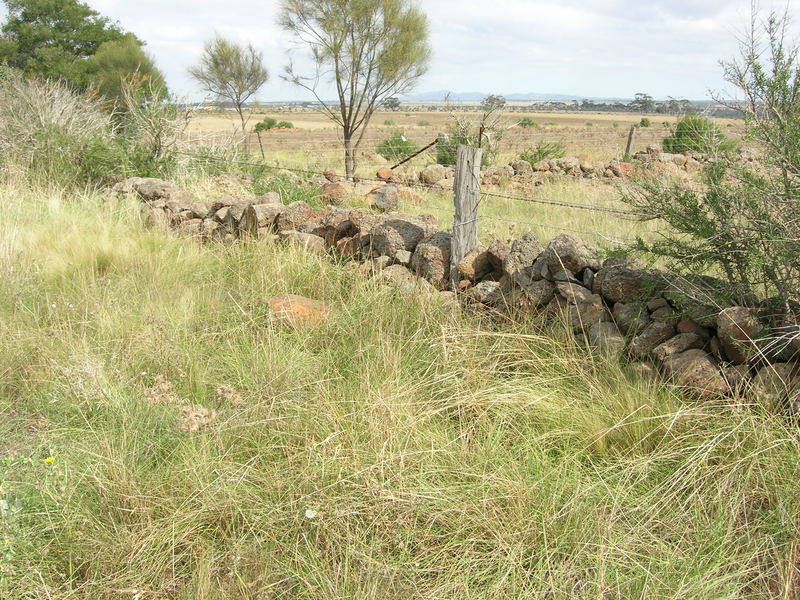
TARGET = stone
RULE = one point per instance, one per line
(496, 253)
(542, 166)
(488, 293)
(408, 196)
(298, 311)
(521, 167)
(573, 293)
(404, 280)
(330, 175)
(737, 377)
(258, 217)
(642, 370)
(334, 193)
(154, 217)
(538, 293)
(384, 198)
(348, 247)
(586, 313)
(675, 345)
(433, 174)
(306, 241)
(431, 259)
(695, 371)
(777, 385)
(655, 334)
(630, 317)
(688, 325)
(475, 265)
(623, 284)
(569, 253)
(293, 216)
(523, 253)
(191, 227)
(385, 174)
(657, 303)
(398, 232)
(608, 340)
(403, 257)
(666, 313)
(738, 330)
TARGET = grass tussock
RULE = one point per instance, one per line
(397, 450)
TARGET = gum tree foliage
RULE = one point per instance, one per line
(54, 38)
(744, 224)
(370, 50)
(122, 62)
(230, 72)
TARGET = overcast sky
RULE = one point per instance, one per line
(600, 48)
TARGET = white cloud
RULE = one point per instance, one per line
(581, 47)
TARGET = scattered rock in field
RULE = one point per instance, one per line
(676, 345)
(398, 232)
(433, 174)
(298, 311)
(384, 198)
(334, 193)
(293, 215)
(385, 174)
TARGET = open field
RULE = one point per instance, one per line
(589, 136)
(399, 450)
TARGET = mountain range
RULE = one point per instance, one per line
(436, 96)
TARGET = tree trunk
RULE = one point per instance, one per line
(244, 129)
(350, 162)
(260, 145)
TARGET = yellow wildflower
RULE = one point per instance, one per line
(49, 460)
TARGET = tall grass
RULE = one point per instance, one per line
(398, 450)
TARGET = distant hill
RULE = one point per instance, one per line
(437, 96)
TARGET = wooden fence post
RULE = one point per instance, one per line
(631, 140)
(465, 218)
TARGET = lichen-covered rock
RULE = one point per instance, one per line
(398, 232)
(384, 198)
(523, 253)
(488, 293)
(695, 371)
(569, 253)
(608, 340)
(655, 334)
(433, 174)
(431, 259)
(778, 385)
(334, 193)
(475, 265)
(537, 293)
(621, 283)
(293, 216)
(404, 280)
(521, 167)
(677, 344)
(738, 330)
(497, 252)
(631, 317)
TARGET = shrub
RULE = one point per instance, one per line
(424, 123)
(697, 134)
(744, 222)
(266, 124)
(645, 122)
(396, 147)
(284, 125)
(527, 122)
(388, 122)
(543, 151)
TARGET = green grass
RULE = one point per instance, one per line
(440, 454)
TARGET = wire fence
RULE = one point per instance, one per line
(303, 158)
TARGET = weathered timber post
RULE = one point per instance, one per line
(465, 218)
(631, 140)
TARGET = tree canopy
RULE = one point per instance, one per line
(118, 61)
(50, 38)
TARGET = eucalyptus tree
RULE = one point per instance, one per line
(370, 50)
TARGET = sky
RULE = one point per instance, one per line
(586, 48)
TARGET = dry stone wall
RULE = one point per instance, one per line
(617, 306)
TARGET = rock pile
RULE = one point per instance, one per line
(616, 305)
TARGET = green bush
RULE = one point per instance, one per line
(266, 124)
(645, 122)
(446, 150)
(284, 125)
(543, 151)
(697, 134)
(388, 122)
(527, 122)
(396, 147)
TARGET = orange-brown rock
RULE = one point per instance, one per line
(298, 311)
